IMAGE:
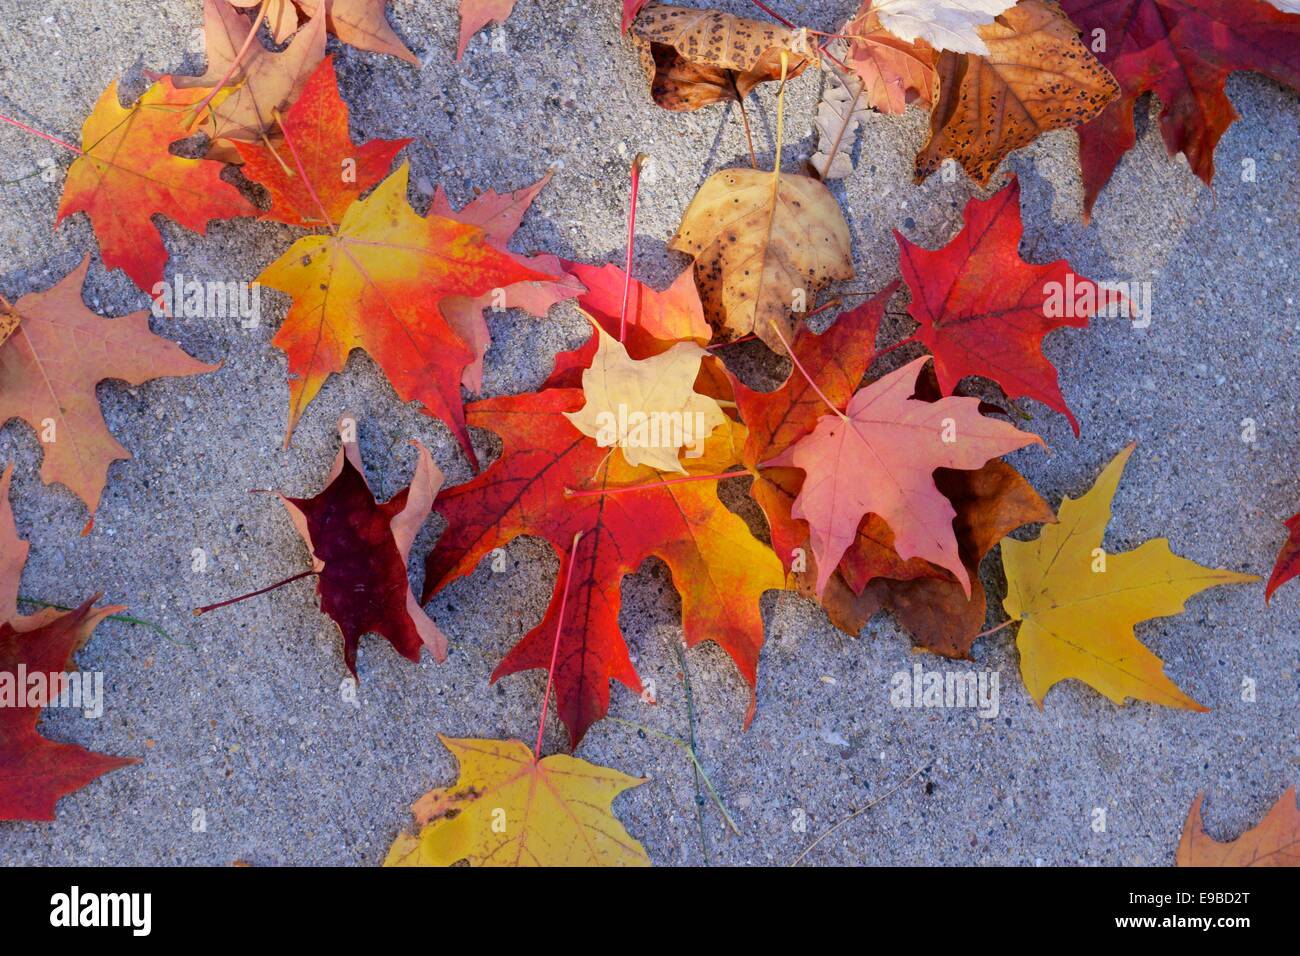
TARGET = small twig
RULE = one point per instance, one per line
(121, 618)
(684, 746)
(690, 727)
(857, 813)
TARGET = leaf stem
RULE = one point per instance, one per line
(45, 136)
(555, 649)
(597, 492)
(297, 161)
(234, 65)
(252, 594)
(772, 13)
(804, 372)
(881, 353)
(994, 630)
(631, 242)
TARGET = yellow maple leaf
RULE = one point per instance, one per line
(1077, 605)
(647, 407)
(509, 809)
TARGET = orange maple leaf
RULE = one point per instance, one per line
(375, 282)
(49, 369)
(127, 172)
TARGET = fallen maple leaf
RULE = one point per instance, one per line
(8, 322)
(476, 14)
(553, 481)
(1036, 77)
(280, 16)
(933, 609)
(627, 397)
(375, 282)
(499, 215)
(1288, 559)
(1274, 842)
(49, 369)
(126, 173)
(894, 72)
(840, 113)
(833, 363)
(359, 551)
(760, 240)
(975, 326)
(696, 57)
(337, 170)
(990, 502)
(879, 456)
(655, 320)
(259, 82)
(1182, 50)
(1077, 604)
(13, 553)
(362, 24)
(508, 808)
(34, 771)
(944, 24)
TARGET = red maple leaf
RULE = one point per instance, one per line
(984, 310)
(719, 568)
(836, 360)
(1183, 50)
(1288, 559)
(655, 320)
(499, 216)
(360, 549)
(35, 771)
(127, 172)
(338, 170)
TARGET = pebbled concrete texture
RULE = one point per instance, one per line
(239, 715)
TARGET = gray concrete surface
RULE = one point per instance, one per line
(248, 725)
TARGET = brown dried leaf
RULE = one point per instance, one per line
(696, 57)
(991, 502)
(1037, 77)
(759, 241)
